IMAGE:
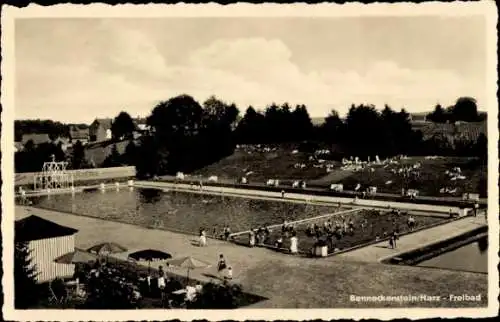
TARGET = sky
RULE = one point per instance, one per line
(74, 70)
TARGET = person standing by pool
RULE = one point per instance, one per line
(279, 242)
(203, 238)
(251, 238)
(391, 242)
(395, 237)
(227, 232)
(282, 193)
(294, 241)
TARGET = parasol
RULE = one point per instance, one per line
(189, 263)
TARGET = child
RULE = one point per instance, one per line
(229, 274)
(279, 242)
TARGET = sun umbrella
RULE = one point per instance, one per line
(189, 263)
(76, 256)
(106, 249)
(149, 255)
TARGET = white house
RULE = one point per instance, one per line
(47, 241)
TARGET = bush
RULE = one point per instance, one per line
(218, 296)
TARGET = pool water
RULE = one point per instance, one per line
(179, 211)
(472, 257)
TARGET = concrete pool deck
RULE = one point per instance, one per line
(251, 264)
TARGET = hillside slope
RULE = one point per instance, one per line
(98, 152)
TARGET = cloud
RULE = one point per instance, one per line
(122, 69)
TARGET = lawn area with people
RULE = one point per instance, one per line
(340, 231)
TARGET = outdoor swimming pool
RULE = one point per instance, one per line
(472, 257)
(179, 211)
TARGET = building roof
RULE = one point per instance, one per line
(105, 123)
(37, 138)
(36, 228)
(76, 133)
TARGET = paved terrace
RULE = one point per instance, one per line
(268, 273)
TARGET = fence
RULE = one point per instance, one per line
(27, 178)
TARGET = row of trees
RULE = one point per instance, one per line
(53, 129)
(186, 135)
(465, 110)
(31, 159)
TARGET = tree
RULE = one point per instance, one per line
(114, 159)
(130, 155)
(331, 130)
(78, 156)
(153, 158)
(123, 126)
(178, 117)
(364, 131)
(301, 124)
(481, 148)
(465, 109)
(26, 290)
(249, 129)
(439, 115)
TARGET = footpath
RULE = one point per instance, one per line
(380, 251)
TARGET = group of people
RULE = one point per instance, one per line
(258, 236)
(261, 236)
(224, 269)
(202, 236)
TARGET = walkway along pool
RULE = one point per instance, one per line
(467, 252)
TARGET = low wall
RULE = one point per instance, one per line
(27, 178)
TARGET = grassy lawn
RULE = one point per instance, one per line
(375, 224)
(317, 286)
(281, 163)
(432, 177)
(180, 211)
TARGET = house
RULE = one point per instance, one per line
(36, 138)
(100, 130)
(418, 117)
(76, 134)
(46, 241)
(65, 143)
